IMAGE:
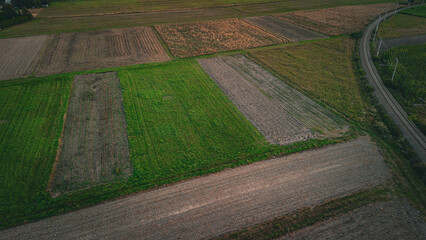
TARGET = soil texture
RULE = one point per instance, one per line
(94, 147)
(282, 114)
(285, 29)
(18, 54)
(80, 51)
(227, 201)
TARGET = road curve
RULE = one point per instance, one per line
(223, 202)
(414, 136)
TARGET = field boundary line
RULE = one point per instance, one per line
(298, 88)
(163, 43)
(60, 145)
(286, 40)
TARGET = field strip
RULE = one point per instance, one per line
(18, 54)
(80, 51)
(396, 42)
(387, 220)
(94, 143)
(226, 201)
(285, 29)
(280, 112)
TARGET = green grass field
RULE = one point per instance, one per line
(324, 69)
(179, 125)
(409, 83)
(31, 120)
(104, 18)
(402, 25)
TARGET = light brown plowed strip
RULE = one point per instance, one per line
(226, 201)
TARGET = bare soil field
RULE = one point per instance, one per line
(396, 42)
(285, 29)
(94, 147)
(81, 51)
(282, 114)
(227, 201)
(386, 220)
(339, 20)
(18, 54)
(194, 39)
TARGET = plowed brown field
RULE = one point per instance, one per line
(194, 39)
(282, 114)
(95, 147)
(18, 54)
(80, 51)
(285, 29)
(339, 20)
(388, 220)
(227, 201)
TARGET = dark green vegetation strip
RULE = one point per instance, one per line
(409, 84)
(180, 125)
(308, 216)
(107, 19)
(417, 11)
(31, 120)
(324, 69)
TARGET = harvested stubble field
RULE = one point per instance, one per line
(94, 143)
(227, 201)
(18, 54)
(386, 220)
(280, 112)
(339, 20)
(322, 68)
(81, 51)
(194, 39)
(285, 29)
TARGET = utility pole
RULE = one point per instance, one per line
(394, 71)
(380, 45)
(396, 8)
(375, 33)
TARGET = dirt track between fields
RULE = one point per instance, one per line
(18, 54)
(388, 220)
(226, 201)
(285, 29)
(94, 147)
(282, 114)
(80, 51)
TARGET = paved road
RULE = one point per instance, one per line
(226, 201)
(394, 109)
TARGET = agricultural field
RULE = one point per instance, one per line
(282, 114)
(419, 11)
(409, 82)
(31, 120)
(94, 147)
(207, 207)
(69, 52)
(402, 25)
(285, 29)
(387, 220)
(18, 54)
(324, 69)
(339, 20)
(195, 39)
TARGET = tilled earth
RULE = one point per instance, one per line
(282, 114)
(387, 220)
(18, 54)
(227, 201)
(80, 51)
(95, 148)
(285, 29)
